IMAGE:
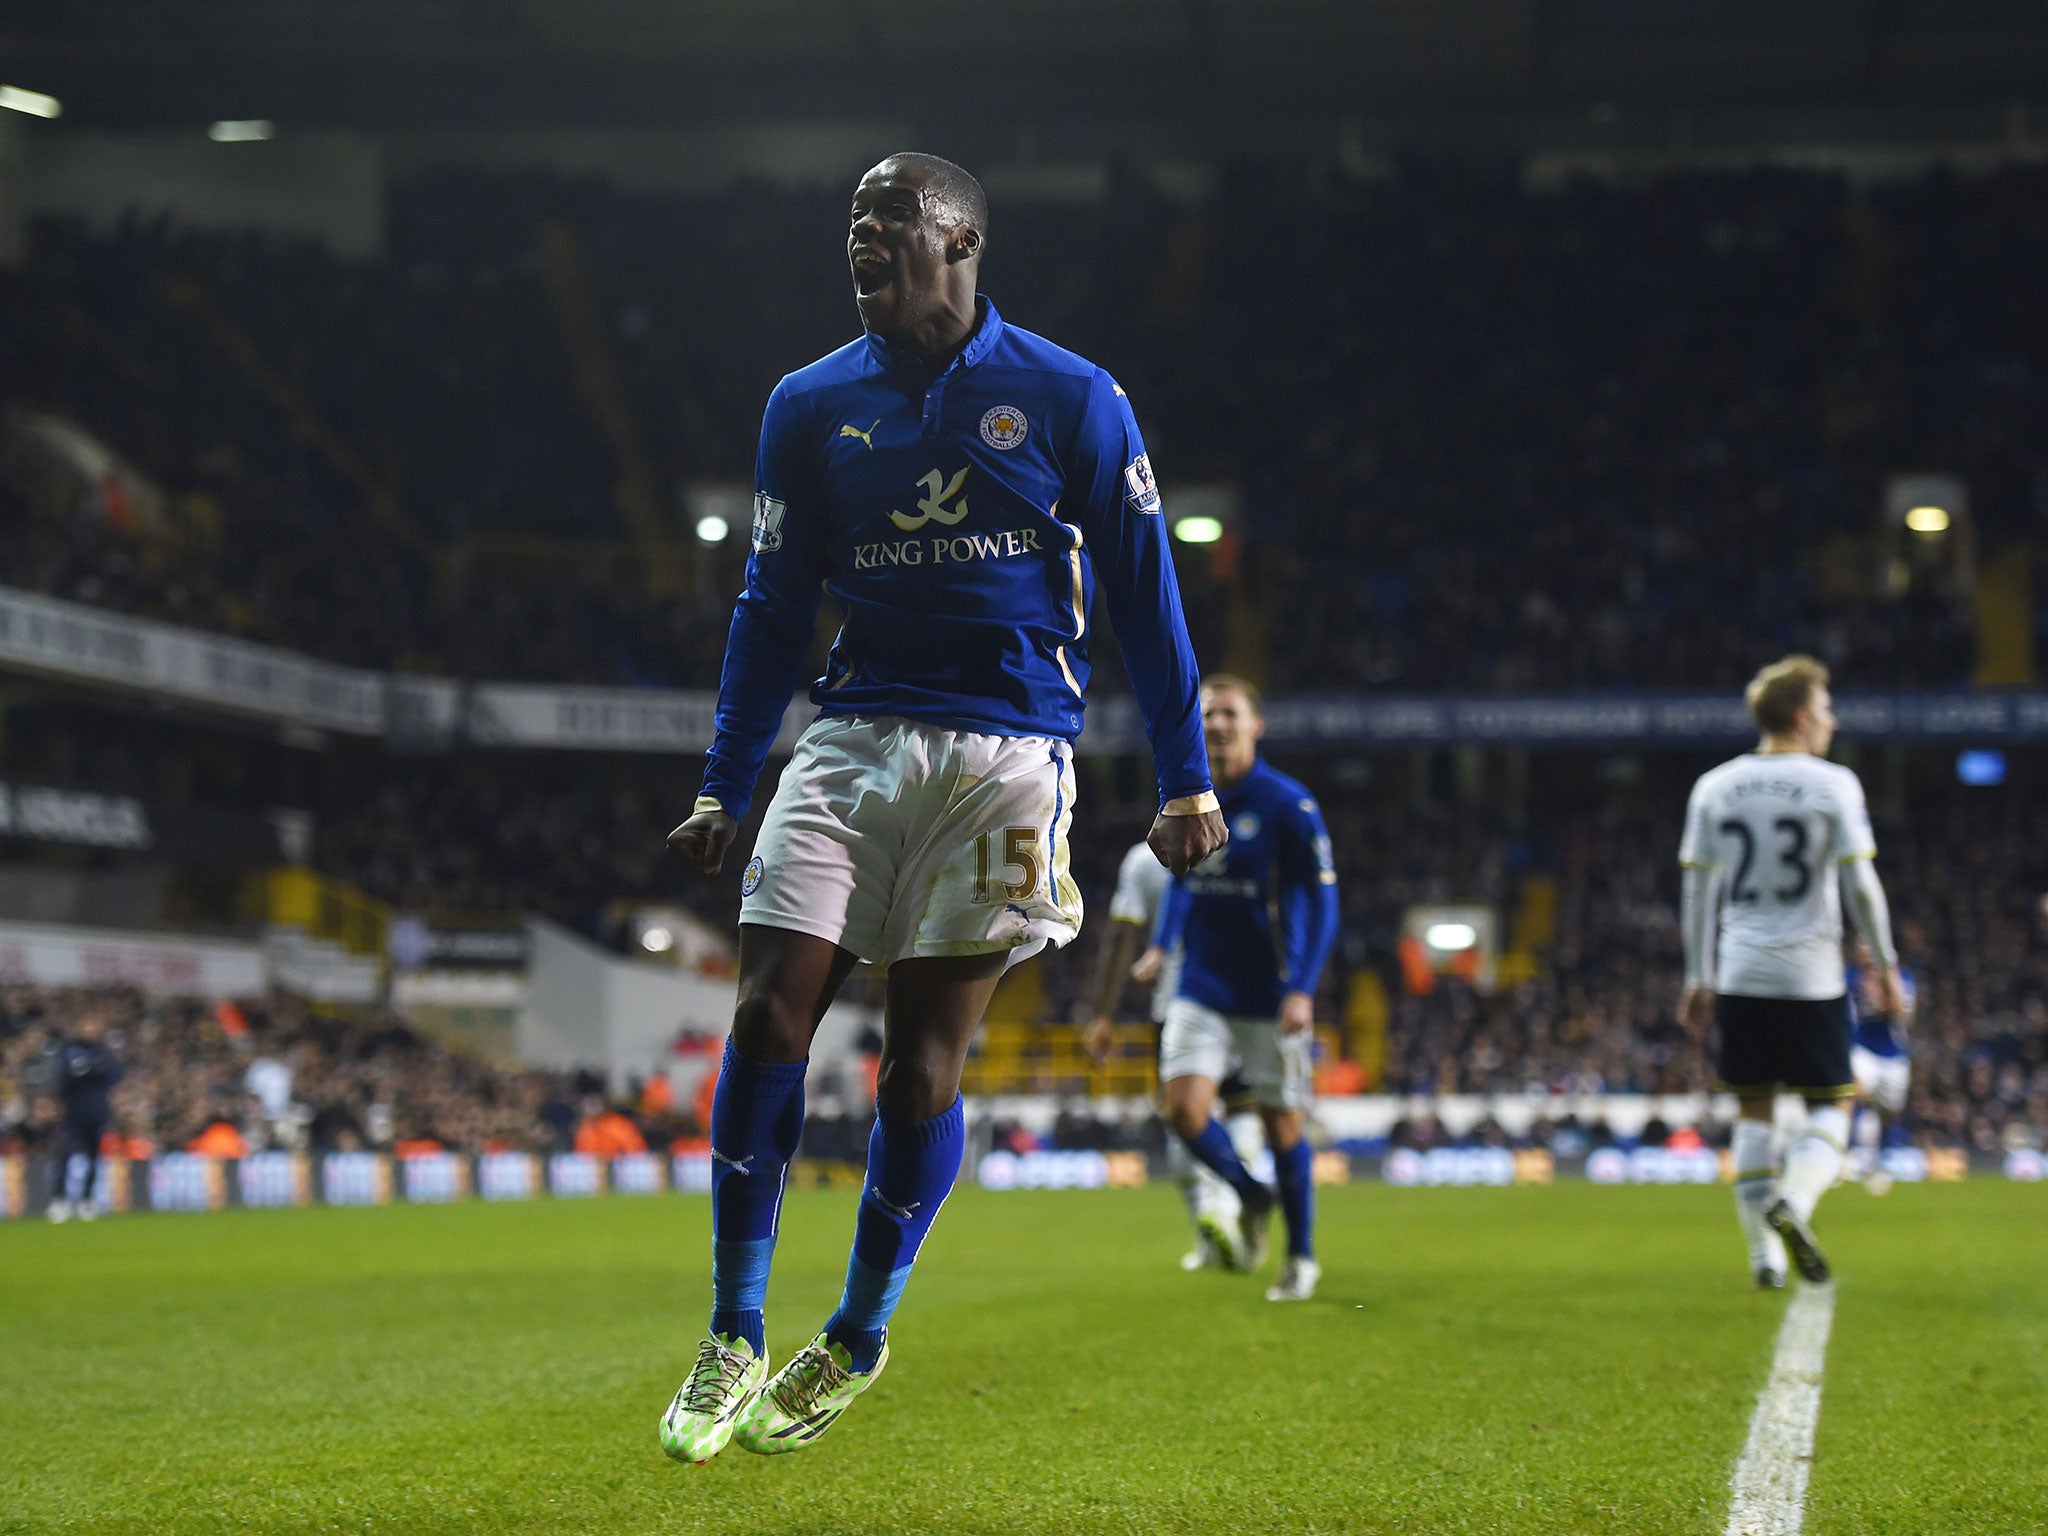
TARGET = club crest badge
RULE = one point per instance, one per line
(1004, 428)
(750, 881)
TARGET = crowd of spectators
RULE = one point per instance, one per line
(474, 839)
(1966, 868)
(231, 1078)
(1966, 876)
(562, 837)
(1966, 871)
(1487, 437)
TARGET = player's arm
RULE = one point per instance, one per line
(1699, 900)
(1119, 517)
(1166, 931)
(771, 631)
(1863, 895)
(1112, 972)
(1309, 911)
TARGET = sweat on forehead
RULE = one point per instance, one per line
(942, 183)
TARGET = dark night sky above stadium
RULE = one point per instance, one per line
(420, 64)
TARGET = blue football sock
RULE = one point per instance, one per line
(757, 1117)
(1296, 1168)
(1215, 1148)
(911, 1168)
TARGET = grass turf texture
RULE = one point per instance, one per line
(1568, 1359)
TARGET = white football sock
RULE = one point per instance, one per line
(1182, 1168)
(1869, 1132)
(1755, 1188)
(1814, 1161)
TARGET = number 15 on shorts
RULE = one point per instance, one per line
(1019, 851)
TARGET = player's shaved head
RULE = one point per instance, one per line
(914, 246)
(957, 196)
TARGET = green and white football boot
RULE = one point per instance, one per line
(726, 1379)
(1204, 1255)
(805, 1399)
(1222, 1233)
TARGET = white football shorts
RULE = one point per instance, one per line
(1882, 1079)
(1200, 1042)
(898, 840)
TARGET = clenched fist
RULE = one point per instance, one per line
(699, 844)
(1182, 842)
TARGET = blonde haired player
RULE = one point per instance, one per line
(1776, 842)
(1256, 922)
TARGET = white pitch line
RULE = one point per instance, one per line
(1770, 1479)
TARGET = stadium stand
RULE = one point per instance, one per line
(1528, 437)
(402, 463)
(279, 1076)
(1592, 1014)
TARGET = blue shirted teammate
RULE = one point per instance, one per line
(959, 486)
(1255, 921)
(1882, 1063)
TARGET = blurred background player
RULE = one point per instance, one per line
(942, 476)
(1883, 1064)
(1141, 884)
(1775, 841)
(1255, 923)
(87, 1070)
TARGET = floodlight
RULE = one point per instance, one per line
(1928, 519)
(1198, 530)
(1450, 936)
(242, 130)
(34, 103)
(712, 528)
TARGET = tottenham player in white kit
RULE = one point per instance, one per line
(1775, 843)
(1141, 885)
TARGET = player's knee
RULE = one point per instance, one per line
(765, 1027)
(1186, 1116)
(1283, 1130)
(913, 1086)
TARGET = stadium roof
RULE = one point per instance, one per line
(395, 65)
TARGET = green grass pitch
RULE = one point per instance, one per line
(1571, 1359)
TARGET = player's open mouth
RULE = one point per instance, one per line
(870, 273)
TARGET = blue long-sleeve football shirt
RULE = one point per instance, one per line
(1257, 918)
(963, 520)
(1880, 1033)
